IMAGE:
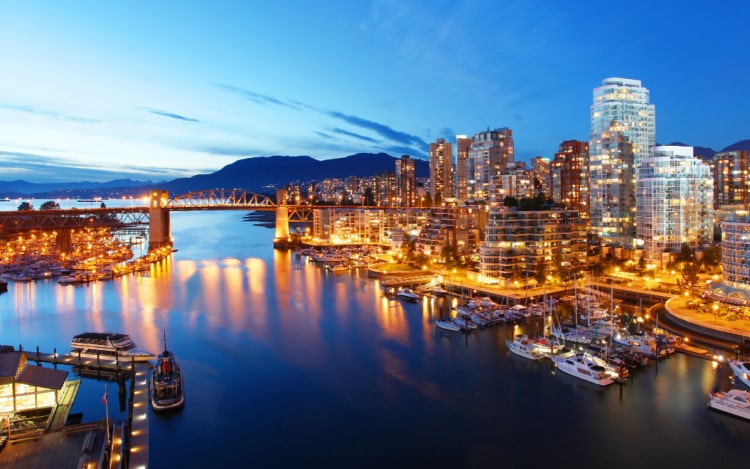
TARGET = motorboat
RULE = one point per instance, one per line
(437, 290)
(465, 323)
(107, 345)
(523, 346)
(735, 402)
(340, 268)
(741, 370)
(407, 294)
(167, 392)
(448, 325)
(582, 367)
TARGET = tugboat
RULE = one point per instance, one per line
(166, 382)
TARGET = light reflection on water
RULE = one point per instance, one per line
(288, 365)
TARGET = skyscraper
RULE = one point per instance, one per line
(570, 176)
(731, 170)
(623, 130)
(463, 145)
(489, 155)
(675, 201)
(441, 170)
(406, 174)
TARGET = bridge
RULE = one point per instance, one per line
(156, 215)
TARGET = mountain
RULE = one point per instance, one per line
(69, 189)
(741, 145)
(264, 174)
(704, 153)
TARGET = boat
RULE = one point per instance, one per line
(167, 391)
(735, 402)
(465, 323)
(407, 294)
(339, 268)
(580, 366)
(437, 290)
(522, 346)
(107, 345)
(741, 370)
(448, 325)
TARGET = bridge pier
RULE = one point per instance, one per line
(160, 234)
(281, 239)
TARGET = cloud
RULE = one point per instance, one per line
(55, 115)
(159, 112)
(380, 129)
(352, 134)
(226, 150)
(259, 98)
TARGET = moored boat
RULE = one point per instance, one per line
(583, 368)
(107, 345)
(448, 325)
(522, 346)
(167, 391)
(741, 370)
(407, 294)
(735, 402)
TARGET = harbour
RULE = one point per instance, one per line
(330, 366)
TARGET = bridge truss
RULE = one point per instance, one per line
(27, 220)
(221, 199)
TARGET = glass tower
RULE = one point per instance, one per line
(623, 130)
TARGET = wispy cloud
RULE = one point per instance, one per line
(47, 113)
(380, 129)
(258, 97)
(364, 138)
(159, 112)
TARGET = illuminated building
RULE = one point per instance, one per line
(463, 146)
(570, 176)
(489, 155)
(623, 130)
(441, 170)
(449, 231)
(541, 176)
(523, 245)
(731, 172)
(26, 387)
(675, 202)
(406, 175)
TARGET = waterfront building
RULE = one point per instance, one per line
(734, 287)
(406, 175)
(541, 175)
(463, 146)
(449, 232)
(25, 387)
(441, 170)
(731, 172)
(364, 225)
(522, 246)
(489, 155)
(570, 176)
(623, 130)
(675, 202)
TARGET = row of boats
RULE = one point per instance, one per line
(166, 383)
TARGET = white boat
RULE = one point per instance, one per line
(448, 325)
(437, 290)
(525, 347)
(107, 345)
(167, 391)
(339, 268)
(735, 402)
(407, 294)
(581, 367)
(741, 370)
(465, 323)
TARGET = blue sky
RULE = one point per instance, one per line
(157, 90)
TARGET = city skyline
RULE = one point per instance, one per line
(171, 90)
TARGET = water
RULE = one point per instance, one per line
(288, 366)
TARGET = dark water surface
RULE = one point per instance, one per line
(289, 366)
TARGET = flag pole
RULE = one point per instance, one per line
(106, 410)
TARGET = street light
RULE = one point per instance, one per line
(716, 310)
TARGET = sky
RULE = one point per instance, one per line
(99, 90)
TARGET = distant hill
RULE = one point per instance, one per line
(263, 174)
(741, 145)
(16, 189)
(704, 153)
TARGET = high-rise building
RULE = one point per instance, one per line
(540, 171)
(570, 176)
(441, 170)
(515, 181)
(675, 202)
(489, 155)
(406, 174)
(731, 171)
(463, 146)
(623, 130)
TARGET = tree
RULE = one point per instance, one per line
(50, 205)
(509, 201)
(369, 197)
(25, 206)
(438, 199)
(712, 257)
(686, 253)
(689, 279)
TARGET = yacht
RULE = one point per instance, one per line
(448, 325)
(525, 347)
(407, 294)
(107, 345)
(582, 367)
(735, 402)
(741, 370)
(167, 391)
